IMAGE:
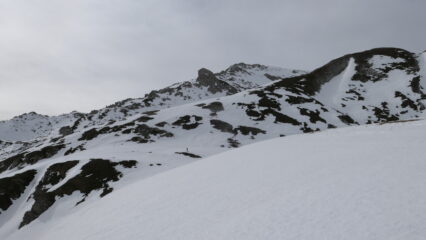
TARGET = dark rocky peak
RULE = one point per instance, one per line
(208, 79)
(365, 69)
(391, 52)
(204, 73)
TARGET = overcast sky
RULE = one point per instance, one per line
(62, 55)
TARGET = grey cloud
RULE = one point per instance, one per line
(59, 55)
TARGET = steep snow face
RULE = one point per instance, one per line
(128, 142)
(337, 184)
(207, 85)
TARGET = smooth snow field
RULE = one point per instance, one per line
(366, 182)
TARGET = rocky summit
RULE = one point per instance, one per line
(77, 158)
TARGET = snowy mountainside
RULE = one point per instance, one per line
(31, 125)
(300, 191)
(88, 156)
(234, 79)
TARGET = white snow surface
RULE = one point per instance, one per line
(366, 182)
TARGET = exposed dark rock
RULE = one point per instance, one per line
(161, 124)
(249, 130)
(151, 113)
(139, 140)
(415, 85)
(73, 150)
(358, 95)
(383, 113)
(58, 140)
(146, 132)
(270, 108)
(157, 164)
(89, 134)
(233, 143)
(119, 104)
(93, 133)
(43, 153)
(186, 123)
(144, 119)
(346, 119)
(11, 188)
(189, 154)
(23, 159)
(222, 125)
(311, 83)
(307, 129)
(298, 99)
(126, 131)
(67, 130)
(314, 116)
(365, 72)
(271, 77)
(190, 126)
(214, 107)
(95, 175)
(117, 128)
(406, 101)
(150, 97)
(44, 199)
(267, 99)
(12, 162)
(207, 79)
(76, 124)
(279, 117)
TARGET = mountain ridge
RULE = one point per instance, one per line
(135, 139)
(231, 74)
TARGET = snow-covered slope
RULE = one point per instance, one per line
(236, 78)
(80, 158)
(363, 182)
(30, 126)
